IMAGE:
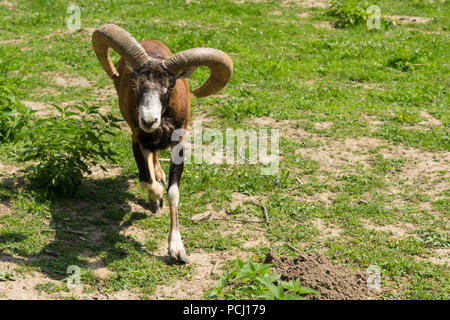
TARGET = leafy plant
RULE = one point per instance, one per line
(404, 59)
(67, 146)
(407, 116)
(14, 116)
(351, 13)
(255, 281)
(6, 276)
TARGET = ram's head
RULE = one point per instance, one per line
(153, 79)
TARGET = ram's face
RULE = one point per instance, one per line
(153, 87)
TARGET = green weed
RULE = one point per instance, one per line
(351, 13)
(67, 146)
(255, 281)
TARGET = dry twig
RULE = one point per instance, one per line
(266, 214)
(293, 248)
(200, 216)
(216, 264)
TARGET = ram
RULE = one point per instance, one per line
(154, 100)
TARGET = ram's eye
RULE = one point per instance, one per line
(133, 84)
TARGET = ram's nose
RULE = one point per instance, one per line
(149, 124)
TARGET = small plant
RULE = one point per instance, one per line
(67, 146)
(348, 12)
(406, 116)
(6, 276)
(404, 59)
(14, 116)
(351, 13)
(433, 238)
(254, 281)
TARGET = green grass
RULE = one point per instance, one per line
(287, 68)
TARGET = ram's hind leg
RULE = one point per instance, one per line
(147, 176)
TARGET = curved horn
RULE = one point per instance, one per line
(110, 35)
(218, 62)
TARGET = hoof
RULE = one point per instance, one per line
(179, 257)
(176, 249)
(154, 206)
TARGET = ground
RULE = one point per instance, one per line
(364, 150)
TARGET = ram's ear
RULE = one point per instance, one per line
(128, 65)
(187, 73)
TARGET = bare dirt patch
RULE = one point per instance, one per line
(71, 81)
(323, 125)
(303, 14)
(4, 209)
(205, 265)
(434, 168)
(325, 198)
(326, 231)
(429, 120)
(305, 3)
(134, 233)
(374, 123)
(420, 172)
(203, 116)
(397, 231)
(288, 128)
(42, 109)
(241, 221)
(324, 25)
(11, 41)
(248, 1)
(10, 176)
(275, 13)
(335, 154)
(436, 256)
(366, 85)
(8, 169)
(6, 4)
(98, 173)
(333, 281)
(23, 288)
(85, 32)
(106, 93)
(409, 19)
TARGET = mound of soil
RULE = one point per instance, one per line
(333, 281)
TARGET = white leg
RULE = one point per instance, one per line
(176, 248)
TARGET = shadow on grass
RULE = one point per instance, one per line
(84, 231)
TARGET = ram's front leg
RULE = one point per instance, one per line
(144, 161)
(159, 172)
(176, 248)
